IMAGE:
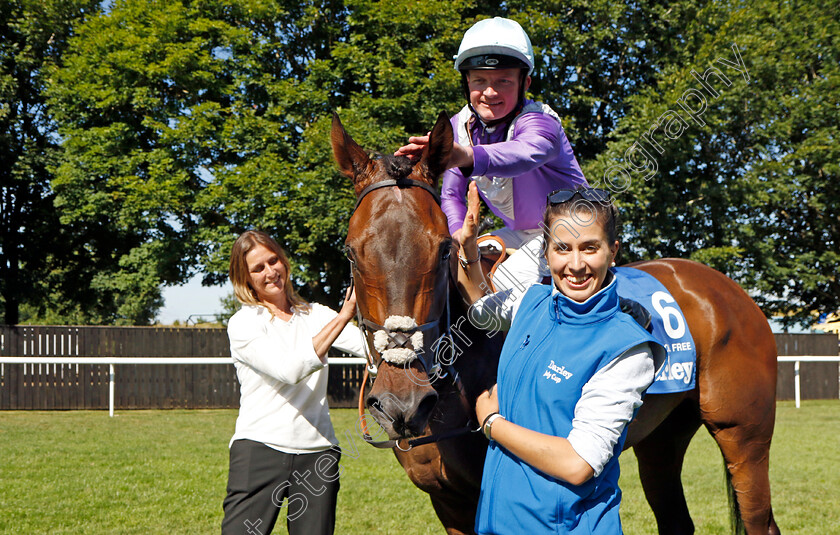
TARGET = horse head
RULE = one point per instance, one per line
(399, 246)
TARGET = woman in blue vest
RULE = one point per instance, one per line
(571, 376)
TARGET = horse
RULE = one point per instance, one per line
(429, 369)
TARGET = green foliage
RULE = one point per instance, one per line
(230, 305)
(143, 92)
(33, 35)
(184, 123)
(753, 190)
(384, 69)
(593, 55)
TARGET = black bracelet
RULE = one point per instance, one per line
(466, 263)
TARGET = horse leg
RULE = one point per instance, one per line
(660, 456)
(746, 452)
(455, 511)
(738, 407)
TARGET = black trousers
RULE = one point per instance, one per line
(262, 480)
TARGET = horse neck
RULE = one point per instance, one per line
(477, 353)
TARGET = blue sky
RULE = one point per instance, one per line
(192, 298)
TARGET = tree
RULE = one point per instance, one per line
(33, 36)
(185, 123)
(148, 104)
(742, 173)
(592, 56)
(384, 68)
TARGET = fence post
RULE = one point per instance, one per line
(111, 392)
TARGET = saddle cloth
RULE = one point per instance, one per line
(668, 327)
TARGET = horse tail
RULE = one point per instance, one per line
(736, 523)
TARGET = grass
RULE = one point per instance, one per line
(149, 472)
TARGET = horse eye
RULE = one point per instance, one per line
(349, 253)
(446, 250)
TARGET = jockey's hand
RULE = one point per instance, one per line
(461, 156)
(414, 149)
(485, 403)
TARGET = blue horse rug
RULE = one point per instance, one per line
(669, 328)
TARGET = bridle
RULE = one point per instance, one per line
(401, 338)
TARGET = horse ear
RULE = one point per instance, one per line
(350, 157)
(437, 152)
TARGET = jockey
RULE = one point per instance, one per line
(514, 148)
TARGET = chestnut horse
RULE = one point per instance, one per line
(430, 364)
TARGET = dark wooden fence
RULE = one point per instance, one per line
(136, 386)
(818, 380)
(164, 386)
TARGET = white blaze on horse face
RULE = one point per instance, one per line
(399, 355)
(398, 193)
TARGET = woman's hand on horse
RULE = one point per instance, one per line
(469, 231)
(486, 403)
(348, 309)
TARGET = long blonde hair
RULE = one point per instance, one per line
(239, 276)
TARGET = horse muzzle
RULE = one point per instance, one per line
(403, 411)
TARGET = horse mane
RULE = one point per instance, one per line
(396, 167)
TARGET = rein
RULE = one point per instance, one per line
(401, 338)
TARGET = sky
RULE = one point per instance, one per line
(192, 298)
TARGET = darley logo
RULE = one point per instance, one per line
(556, 373)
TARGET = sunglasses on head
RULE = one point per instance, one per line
(589, 194)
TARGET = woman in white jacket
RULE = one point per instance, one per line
(284, 447)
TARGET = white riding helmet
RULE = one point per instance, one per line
(496, 43)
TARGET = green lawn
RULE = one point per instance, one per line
(149, 472)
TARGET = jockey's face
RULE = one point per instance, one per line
(495, 93)
(579, 256)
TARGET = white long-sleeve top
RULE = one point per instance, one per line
(283, 393)
(608, 400)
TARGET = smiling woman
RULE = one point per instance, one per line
(279, 345)
(555, 441)
(580, 241)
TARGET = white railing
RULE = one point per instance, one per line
(796, 359)
(111, 361)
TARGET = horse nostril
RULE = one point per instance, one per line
(424, 409)
(383, 408)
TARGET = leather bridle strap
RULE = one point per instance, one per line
(419, 441)
(400, 183)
